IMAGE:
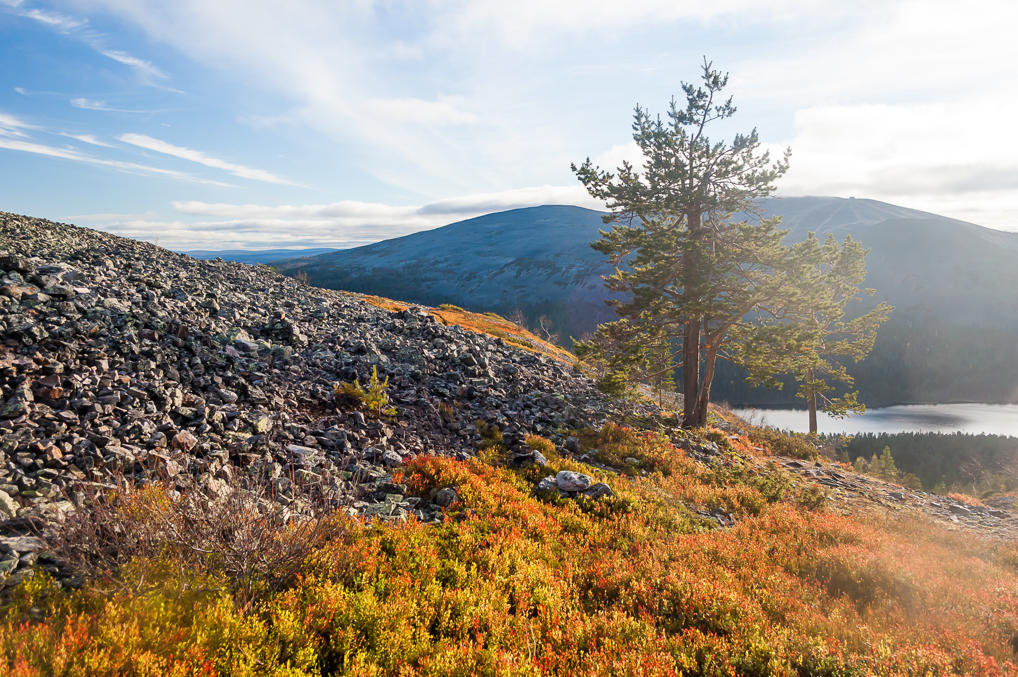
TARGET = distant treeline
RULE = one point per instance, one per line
(974, 464)
(916, 359)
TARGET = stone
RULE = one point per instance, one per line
(529, 457)
(183, 441)
(261, 424)
(8, 506)
(548, 484)
(446, 497)
(598, 491)
(567, 480)
(301, 454)
(391, 458)
(121, 358)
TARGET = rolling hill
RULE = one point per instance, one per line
(951, 338)
(255, 256)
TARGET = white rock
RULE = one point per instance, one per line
(568, 480)
(8, 507)
(547, 484)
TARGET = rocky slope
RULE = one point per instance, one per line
(119, 358)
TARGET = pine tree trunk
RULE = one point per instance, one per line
(703, 397)
(690, 373)
(811, 400)
(692, 417)
(694, 411)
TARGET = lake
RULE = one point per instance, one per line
(993, 419)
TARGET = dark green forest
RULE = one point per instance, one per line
(979, 465)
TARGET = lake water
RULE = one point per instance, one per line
(993, 419)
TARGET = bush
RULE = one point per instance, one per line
(239, 535)
(375, 399)
(513, 584)
(541, 444)
(793, 445)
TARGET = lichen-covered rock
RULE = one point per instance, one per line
(567, 480)
(598, 491)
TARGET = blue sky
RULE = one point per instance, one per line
(201, 124)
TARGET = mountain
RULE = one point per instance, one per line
(951, 337)
(255, 256)
(534, 259)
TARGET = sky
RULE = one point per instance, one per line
(224, 124)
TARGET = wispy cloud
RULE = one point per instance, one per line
(59, 22)
(87, 138)
(93, 104)
(75, 156)
(143, 68)
(79, 28)
(197, 156)
(12, 126)
(348, 223)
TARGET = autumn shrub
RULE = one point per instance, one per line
(240, 535)
(541, 444)
(629, 450)
(964, 498)
(720, 438)
(785, 443)
(509, 584)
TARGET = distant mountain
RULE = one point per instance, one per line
(536, 259)
(952, 337)
(253, 256)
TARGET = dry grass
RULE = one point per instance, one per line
(499, 327)
(489, 324)
(242, 535)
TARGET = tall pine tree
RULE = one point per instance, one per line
(810, 334)
(688, 272)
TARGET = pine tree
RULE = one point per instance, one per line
(689, 274)
(808, 334)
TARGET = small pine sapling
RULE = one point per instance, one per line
(374, 400)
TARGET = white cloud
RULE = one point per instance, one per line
(527, 24)
(142, 67)
(347, 223)
(12, 126)
(197, 156)
(146, 71)
(59, 22)
(444, 111)
(92, 104)
(69, 154)
(483, 203)
(464, 99)
(915, 154)
(87, 138)
(617, 154)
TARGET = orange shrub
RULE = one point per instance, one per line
(513, 584)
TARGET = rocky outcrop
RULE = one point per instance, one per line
(118, 358)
